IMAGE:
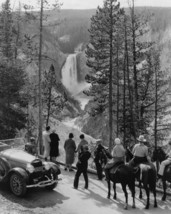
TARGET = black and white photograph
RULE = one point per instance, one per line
(85, 106)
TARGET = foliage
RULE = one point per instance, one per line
(134, 64)
(13, 100)
(53, 100)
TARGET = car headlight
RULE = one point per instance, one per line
(47, 166)
(30, 168)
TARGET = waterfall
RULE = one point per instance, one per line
(70, 80)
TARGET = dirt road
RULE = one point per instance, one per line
(66, 200)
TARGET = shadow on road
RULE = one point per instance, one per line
(35, 197)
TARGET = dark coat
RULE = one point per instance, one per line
(83, 160)
(70, 148)
(54, 145)
(100, 155)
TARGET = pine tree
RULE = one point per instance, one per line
(53, 99)
(6, 35)
(13, 100)
(100, 53)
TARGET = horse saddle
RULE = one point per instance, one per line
(116, 166)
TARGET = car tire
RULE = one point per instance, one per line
(17, 184)
(4, 168)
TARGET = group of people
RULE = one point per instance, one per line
(118, 155)
(102, 158)
(83, 155)
(51, 149)
(51, 144)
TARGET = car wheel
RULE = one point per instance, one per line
(17, 184)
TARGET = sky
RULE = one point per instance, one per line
(88, 4)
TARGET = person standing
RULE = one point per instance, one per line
(82, 166)
(100, 158)
(82, 143)
(54, 145)
(46, 142)
(70, 149)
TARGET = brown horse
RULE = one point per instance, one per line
(125, 176)
(146, 175)
(159, 155)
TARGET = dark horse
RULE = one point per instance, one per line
(125, 176)
(159, 155)
(146, 175)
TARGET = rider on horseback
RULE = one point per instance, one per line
(118, 154)
(140, 152)
(165, 162)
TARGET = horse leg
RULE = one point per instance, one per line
(140, 186)
(148, 196)
(114, 188)
(126, 195)
(132, 188)
(164, 189)
(155, 201)
(108, 183)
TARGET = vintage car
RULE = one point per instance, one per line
(22, 170)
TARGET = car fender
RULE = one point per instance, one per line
(21, 172)
(6, 166)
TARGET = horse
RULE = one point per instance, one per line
(159, 155)
(125, 176)
(146, 174)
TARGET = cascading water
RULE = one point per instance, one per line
(70, 80)
(69, 74)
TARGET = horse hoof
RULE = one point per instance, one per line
(114, 197)
(133, 206)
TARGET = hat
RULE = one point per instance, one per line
(141, 138)
(117, 141)
(98, 140)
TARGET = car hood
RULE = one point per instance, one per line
(17, 155)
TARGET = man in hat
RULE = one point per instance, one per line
(140, 152)
(118, 155)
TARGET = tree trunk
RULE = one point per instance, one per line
(134, 63)
(117, 112)
(132, 125)
(40, 80)
(110, 81)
